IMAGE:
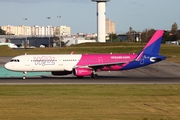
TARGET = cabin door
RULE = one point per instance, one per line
(142, 60)
(100, 60)
(27, 61)
(60, 62)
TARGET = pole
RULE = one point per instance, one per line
(49, 30)
(59, 31)
(25, 31)
(111, 37)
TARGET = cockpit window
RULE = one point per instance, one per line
(14, 60)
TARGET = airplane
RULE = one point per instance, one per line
(82, 65)
(11, 45)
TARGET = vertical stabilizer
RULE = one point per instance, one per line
(153, 46)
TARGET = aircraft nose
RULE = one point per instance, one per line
(8, 66)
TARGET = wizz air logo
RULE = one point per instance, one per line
(44, 60)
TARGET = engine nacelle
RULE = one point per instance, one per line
(82, 72)
(59, 73)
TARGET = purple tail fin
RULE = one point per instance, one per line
(153, 46)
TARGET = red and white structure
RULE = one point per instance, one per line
(101, 19)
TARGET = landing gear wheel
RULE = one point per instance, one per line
(24, 76)
(94, 75)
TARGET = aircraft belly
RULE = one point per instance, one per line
(42, 68)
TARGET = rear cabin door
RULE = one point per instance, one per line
(142, 60)
(60, 62)
(100, 60)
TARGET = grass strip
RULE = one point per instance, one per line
(89, 102)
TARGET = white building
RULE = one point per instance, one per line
(36, 30)
(63, 30)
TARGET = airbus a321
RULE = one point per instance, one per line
(82, 65)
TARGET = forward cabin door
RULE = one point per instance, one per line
(27, 61)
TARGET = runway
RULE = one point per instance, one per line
(100, 80)
(160, 73)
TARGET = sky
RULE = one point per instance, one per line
(80, 15)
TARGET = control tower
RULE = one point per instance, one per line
(101, 19)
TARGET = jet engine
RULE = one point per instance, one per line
(80, 72)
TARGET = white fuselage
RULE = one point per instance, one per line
(43, 62)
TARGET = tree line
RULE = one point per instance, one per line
(171, 35)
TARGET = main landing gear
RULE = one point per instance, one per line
(94, 75)
(24, 76)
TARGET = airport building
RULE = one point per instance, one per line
(31, 42)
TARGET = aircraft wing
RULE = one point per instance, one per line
(99, 66)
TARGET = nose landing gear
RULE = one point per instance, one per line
(24, 76)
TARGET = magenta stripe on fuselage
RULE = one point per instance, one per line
(155, 37)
